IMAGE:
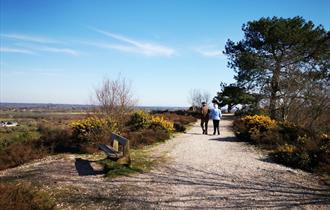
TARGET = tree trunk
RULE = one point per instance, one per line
(274, 90)
(230, 106)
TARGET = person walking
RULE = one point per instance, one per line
(204, 117)
(216, 116)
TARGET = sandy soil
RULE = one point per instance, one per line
(201, 172)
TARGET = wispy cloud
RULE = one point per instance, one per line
(24, 71)
(209, 51)
(16, 50)
(28, 38)
(67, 51)
(32, 44)
(134, 46)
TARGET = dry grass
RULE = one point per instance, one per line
(24, 197)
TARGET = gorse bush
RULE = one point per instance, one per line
(254, 128)
(325, 143)
(180, 118)
(139, 120)
(162, 123)
(291, 145)
(92, 129)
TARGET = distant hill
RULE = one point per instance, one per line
(76, 106)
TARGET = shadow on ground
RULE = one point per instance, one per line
(84, 168)
(226, 139)
(161, 189)
(207, 190)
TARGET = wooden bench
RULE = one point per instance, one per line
(119, 148)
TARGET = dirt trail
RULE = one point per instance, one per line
(201, 172)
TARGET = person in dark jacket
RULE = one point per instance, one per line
(204, 117)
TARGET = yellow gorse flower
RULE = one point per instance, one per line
(169, 126)
(141, 119)
(259, 121)
(91, 125)
(287, 148)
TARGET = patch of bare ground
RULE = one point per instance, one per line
(195, 172)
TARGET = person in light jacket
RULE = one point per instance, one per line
(215, 115)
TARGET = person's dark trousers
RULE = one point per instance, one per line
(216, 127)
(204, 124)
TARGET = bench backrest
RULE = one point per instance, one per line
(122, 141)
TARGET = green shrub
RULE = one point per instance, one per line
(139, 120)
(325, 143)
(22, 133)
(24, 197)
(324, 155)
(57, 140)
(147, 136)
(113, 169)
(290, 155)
(179, 127)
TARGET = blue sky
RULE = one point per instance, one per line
(60, 51)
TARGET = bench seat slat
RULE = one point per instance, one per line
(110, 151)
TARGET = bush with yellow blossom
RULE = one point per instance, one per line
(92, 128)
(254, 128)
(157, 121)
(140, 120)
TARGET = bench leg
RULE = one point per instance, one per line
(125, 160)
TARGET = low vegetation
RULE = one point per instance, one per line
(290, 144)
(141, 162)
(24, 197)
(36, 138)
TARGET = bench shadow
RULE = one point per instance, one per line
(194, 133)
(227, 139)
(84, 168)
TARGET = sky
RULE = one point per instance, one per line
(61, 51)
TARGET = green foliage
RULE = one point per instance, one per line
(114, 169)
(147, 136)
(232, 95)
(139, 120)
(274, 49)
(24, 197)
(179, 127)
(56, 139)
(21, 133)
(140, 162)
(325, 143)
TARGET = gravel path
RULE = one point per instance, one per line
(201, 172)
